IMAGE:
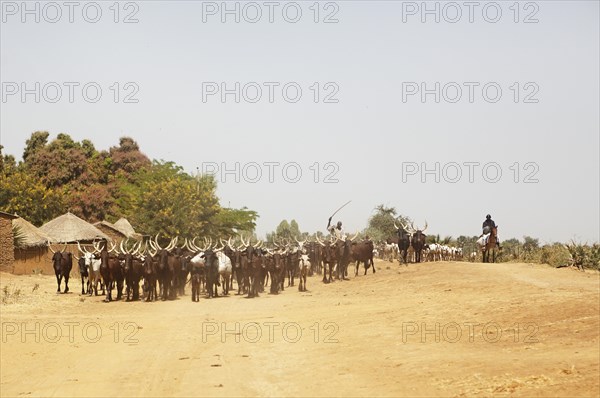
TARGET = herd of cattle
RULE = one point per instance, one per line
(165, 271)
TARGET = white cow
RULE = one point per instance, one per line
(225, 270)
(304, 270)
(93, 265)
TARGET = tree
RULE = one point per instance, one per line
(8, 164)
(381, 224)
(511, 249)
(165, 199)
(286, 230)
(94, 203)
(127, 158)
(530, 244)
(38, 140)
(283, 230)
(59, 163)
(230, 222)
(106, 185)
(88, 148)
(25, 195)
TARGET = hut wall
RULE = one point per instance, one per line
(39, 260)
(6, 245)
(33, 260)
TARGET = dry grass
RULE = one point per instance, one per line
(11, 294)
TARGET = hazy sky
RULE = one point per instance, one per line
(517, 90)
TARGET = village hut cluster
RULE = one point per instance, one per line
(32, 255)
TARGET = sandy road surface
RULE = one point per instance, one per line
(433, 329)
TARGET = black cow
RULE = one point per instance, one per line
(344, 248)
(150, 277)
(403, 240)
(62, 263)
(211, 268)
(133, 270)
(418, 242)
(83, 271)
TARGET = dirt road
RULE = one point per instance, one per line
(433, 329)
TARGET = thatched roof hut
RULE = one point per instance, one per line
(32, 236)
(109, 229)
(125, 227)
(70, 228)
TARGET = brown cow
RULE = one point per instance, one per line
(363, 251)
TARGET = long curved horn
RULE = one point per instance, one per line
(126, 246)
(355, 235)
(412, 228)
(172, 244)
(395, 226)
(50, 247)
(136, 249)
(319, 240)
(121, 249)
(150, 250)
(145, 249)
(112, 249)
(404, 226)
(196, 247)
(64, 248)
(156, 242)
(424, 229)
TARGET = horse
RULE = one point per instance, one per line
(490, 246)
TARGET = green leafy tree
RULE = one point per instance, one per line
(511, 250)
(165, 199)
(381, 224)
(8, 164)
(286, 230)
(231, 222)
(283, 230)
(25, 195)
(36, 141)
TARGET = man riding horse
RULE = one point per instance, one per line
(487, 226)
